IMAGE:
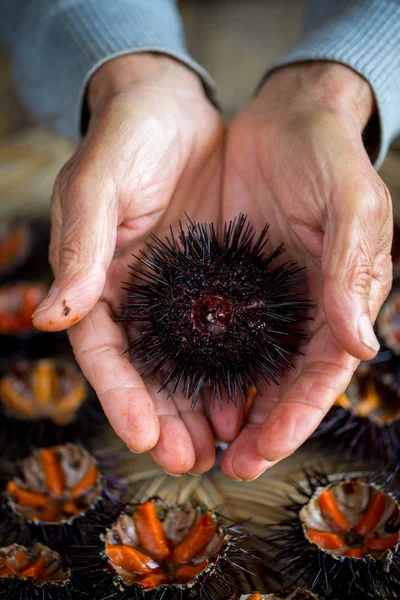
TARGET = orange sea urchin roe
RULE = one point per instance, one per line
(55, 484)
(150, 550)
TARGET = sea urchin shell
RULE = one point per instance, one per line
(215, 309)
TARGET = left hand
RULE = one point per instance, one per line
(295, 158)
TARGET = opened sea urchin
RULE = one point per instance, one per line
(214, 308)
(58, 494)
(162, 552)
(342, 538)
(35, 573)
(45, 403)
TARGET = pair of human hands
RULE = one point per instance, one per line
(294, 157)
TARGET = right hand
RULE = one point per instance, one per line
(153, 150)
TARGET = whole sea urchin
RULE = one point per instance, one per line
(215, 309)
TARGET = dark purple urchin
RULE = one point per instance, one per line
(214, 309)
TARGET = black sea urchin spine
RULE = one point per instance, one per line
(28, 589)
(215, 309)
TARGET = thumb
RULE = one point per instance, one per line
(84, 228)
(356, 260)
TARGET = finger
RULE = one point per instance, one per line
(242, 460)
(174, 451)
(186, 440)
(326, 372)
(82, 248)
(99, 345)
(202, 439)
(226, 420)
(358, 228)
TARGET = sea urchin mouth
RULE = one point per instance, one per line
(213, 308)
(212, 314)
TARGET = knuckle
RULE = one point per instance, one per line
(77, 189)
(376, 209)
(386, 286)
(380, 203)
(384, 275)
(65, 174)
(360, 276)
(69, 255)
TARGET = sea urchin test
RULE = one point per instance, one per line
(212, 307)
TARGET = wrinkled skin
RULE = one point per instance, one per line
(294, 157)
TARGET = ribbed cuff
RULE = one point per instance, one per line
(365, 36)
(56, 54)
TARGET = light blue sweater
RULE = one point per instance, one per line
(58, 44)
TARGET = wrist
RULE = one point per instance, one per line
(123, 73)
(330, 86)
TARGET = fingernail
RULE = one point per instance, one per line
(195, 474)
(175, 474)
(48, 301)
(133, 451)
(366, 333)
